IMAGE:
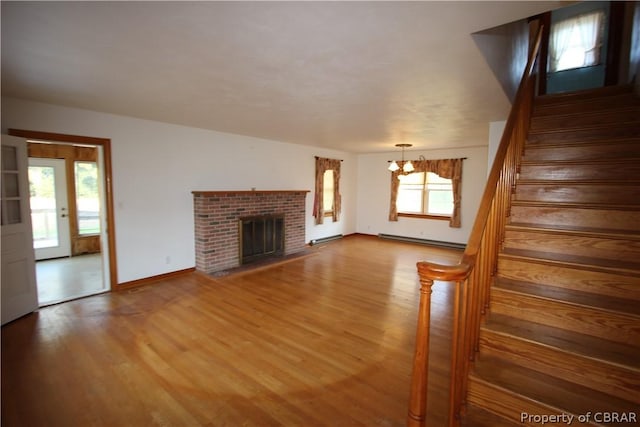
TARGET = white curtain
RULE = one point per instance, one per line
(575, 42)
(590, 26)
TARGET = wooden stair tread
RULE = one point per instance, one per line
(582, 118)
(575, 230)
(624, 355)
(601, 302)
(629, 124)
(623, 267)
(617, 182)
(561, 334)
(581, 162)
(478, 417)
(564, 205)
(550, 101)
(627, 103)
(582, 95)
(590, 106)
(598, 141)
(584, 133)
(555, 393)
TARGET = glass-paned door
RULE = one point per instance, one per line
(19, 294)
(49, 209)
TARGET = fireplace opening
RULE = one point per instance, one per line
(261, 237)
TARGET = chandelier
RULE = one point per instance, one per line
(407, 167)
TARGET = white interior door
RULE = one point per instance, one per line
(18, 287)
(49, 208)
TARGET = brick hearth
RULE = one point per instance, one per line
(217, 214)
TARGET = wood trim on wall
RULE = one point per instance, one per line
(615, 42)
(535, 22)
(105, 143)
(149, 280)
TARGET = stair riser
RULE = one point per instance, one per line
(578, 121)
(586, 151)
(600, 375)
(613, 326)
(580, 97)
(569, 216)
(596, 247)
(507, 404)
(577, 135)
(596, 282)
(610, 171)
(575, 193)
(584, 106)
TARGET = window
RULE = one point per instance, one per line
(425, 193)
(575, 42)
(327, 195)
(87, 199)
(11, 213)
(327, 200)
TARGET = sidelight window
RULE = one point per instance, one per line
(87, 198)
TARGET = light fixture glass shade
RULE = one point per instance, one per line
(394, 166)
(408, 167)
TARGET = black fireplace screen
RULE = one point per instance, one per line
(261, 236)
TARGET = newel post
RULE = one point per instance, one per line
(418, 397)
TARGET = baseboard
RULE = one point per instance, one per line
(438, 243)
(324, 239)
(148, 280)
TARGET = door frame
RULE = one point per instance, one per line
(105, 144)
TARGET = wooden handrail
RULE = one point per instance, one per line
(474, 272)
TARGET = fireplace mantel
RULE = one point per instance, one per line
(217, 217)
(244, 192)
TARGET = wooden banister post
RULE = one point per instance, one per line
(418, 397)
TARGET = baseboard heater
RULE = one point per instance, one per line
(438, 243)
(325, 239)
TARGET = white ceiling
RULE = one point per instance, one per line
(354, 76)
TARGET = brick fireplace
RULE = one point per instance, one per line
(218, 214)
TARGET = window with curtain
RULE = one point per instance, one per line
(425, 193)
(327, 198)
(576, 42)
(417, 191)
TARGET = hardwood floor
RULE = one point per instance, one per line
(326, 339)
(64, 279)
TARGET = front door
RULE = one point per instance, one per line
(18, 287)
(49, 208)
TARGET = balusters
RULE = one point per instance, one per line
(419, 380)
(473, 276)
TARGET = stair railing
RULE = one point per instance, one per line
(474, 273)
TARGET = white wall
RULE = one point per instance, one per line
(157, 165)
(496, 129)
(374, 188)
(506, 50)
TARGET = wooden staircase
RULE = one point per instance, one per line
(562, 332)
